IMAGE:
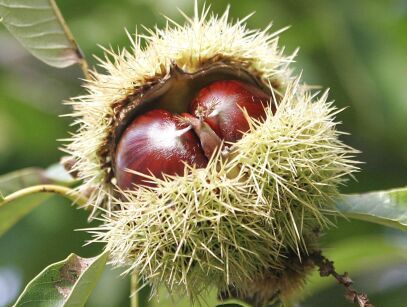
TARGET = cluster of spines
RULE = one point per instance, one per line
(202, 40)
(224, 224)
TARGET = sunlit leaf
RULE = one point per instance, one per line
(66, 283)
(41, 29)
(387, 208)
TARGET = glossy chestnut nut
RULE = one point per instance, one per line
(157, 142)
(221, 104)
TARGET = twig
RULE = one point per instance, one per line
(133, 290)
(72, 195)
(326, 268)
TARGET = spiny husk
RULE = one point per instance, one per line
(228, 224)
(241, 220)
(202, 40)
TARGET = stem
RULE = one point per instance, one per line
(133, 290)
(326, 268)
(68, 193)
(81, 58)
(84, 66)
(209, 140)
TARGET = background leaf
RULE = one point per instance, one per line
(20, 179)
(388, 208)
(66, 283)
(54, 174)
(41, 29)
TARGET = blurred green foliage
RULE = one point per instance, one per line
(357, 48)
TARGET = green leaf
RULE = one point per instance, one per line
(387, 208)
(41, 29)
(55, 174)
(66, 283)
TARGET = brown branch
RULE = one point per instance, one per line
(326, 268)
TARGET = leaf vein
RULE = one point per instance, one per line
(32, 24)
